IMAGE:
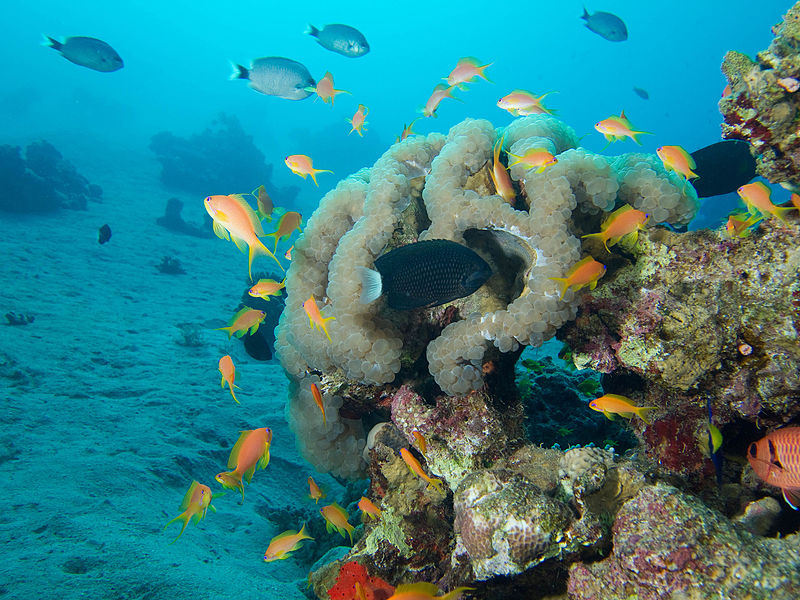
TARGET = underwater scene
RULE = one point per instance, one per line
(400, 302)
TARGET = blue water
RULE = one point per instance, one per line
(177, 63)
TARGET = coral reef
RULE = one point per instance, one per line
(173, 221)
(19, 318)
(762, 105)
(668, 545)
(221, 160)
(170, 266)
(43, 181)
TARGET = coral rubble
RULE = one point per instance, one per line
(762, 105)
(42, 181)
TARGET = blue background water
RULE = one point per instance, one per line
(166, 430)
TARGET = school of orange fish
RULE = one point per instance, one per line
(775, 458)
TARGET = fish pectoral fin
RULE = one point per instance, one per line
(609, 416)
(220, 231)
(240, 243)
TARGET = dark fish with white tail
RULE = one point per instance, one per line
(87, 52)
(342, 39)
(424, 274)
(606, 25)
(277, 76)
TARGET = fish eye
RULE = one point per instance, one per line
(752, 450)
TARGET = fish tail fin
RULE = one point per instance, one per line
(314, 172)
(229, 329)
(437, 483)
(185, 518)
(325, 329)
(601, 236)
(51, 43)
(312, 31)
(792, 498)
(780, 212)
(371, 284)
(482, 74)
(563, 283)
(239, 72)
(234, 395)
(644, 413)
(258, 248)
(635, 135)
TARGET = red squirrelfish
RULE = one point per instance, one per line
(776, 460)
(358, 121)
(440, 92)
(315, 317)
(250, 452)
(584, 272)
(618, 128)
(314, 491)
(336, 520)
(625, 221)
(467, 69)
(756, 197)
(416, 469)
(677, 159)
(228, 374)
(282, 545)
(500, 176)
(367, 507)
(318, 399)
(302, 165)
(521, 103)
(324, 89)
(246, 320)
(234, 219)
(614, 404)
(194, 505)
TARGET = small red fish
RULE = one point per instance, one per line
(250, 452)
(416, 469)
(368, 508)
(195, 504)
(584, 272)
(228, 374)
(623, 222)
(315, 316)
(318, 399)
(775, 458)
(314, 491)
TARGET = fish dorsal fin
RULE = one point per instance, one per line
(423, 587)
(187, 498)
(283, 535)
(220, 231)
(620, 211)
(251, 214)
(233, 459)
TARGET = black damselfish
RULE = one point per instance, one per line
(723, 167)
(104, 234)
(424, 274)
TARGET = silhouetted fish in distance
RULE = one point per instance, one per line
(641, 93)
(606, 25)
(103, 234)
(342, 39)
(723, 167)
(87, 52)
(424, 274)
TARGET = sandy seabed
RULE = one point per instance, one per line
(107, 419)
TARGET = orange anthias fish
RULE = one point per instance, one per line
(440, 92)
(358, 121)
(194, 505)
(250, 452)
(265, 288)
(315, 317)
(228, 374)
(739, 225)
(246, 320)
(336, 520)
(538, 158)
(677, 159)
(584, 272)
(368, 508)
(500, 176)
(521, 103)
(467, 69)
(422, 443)
(282, 545)
(324, 89)
(614, 404)
(407, 130)
(416, 469)
(286, 226)
(796, 201)
(263, 203)
(234, 219)
(318, 399)
(314, 491)
(756, 197)
(623, 222)
(618, 128)
(425, 591)
(302, 165)
(775, 458)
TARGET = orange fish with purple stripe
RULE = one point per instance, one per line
(250, 452)
(775, 458)
(623, 222)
